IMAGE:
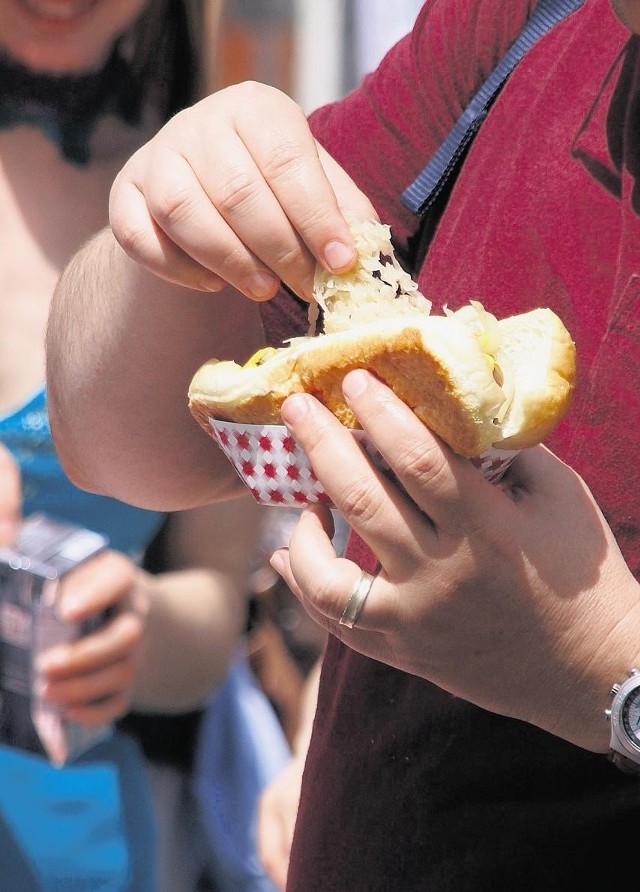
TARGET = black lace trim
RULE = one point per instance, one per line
(66, 108)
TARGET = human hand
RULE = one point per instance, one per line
(92, 678)
(10, 497)
(277, 810)
(235, 190)
(513, 597)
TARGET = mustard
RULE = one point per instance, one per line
(260, 356)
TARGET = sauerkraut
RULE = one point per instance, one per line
(376, 287)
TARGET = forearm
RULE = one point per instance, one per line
(193, 629)
(308, 704)
(122, 347)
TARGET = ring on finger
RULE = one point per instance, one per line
(356, 599)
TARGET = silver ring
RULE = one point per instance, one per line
(356, 599)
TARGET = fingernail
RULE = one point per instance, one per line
(294, 408)
(262, 285)
(355, 383)
(339, 256)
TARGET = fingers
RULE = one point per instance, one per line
(323, 581)
(114, 642)
(193, 205)
(10, 497)
(235, 189)
(92, 677)
(277, 810)
(105, 582)
(369, 501)
(285, 179)
(274, 839)
(141, 238)
(89, 698)
(446, 487)
(100, 713)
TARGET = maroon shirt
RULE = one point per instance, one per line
(407, 788)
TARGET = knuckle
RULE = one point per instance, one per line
(172, 206)
(238, 191)
(358, 500)
(422, 464)
(231, 263)
(246, 92)
(327, 595)
(285, 160)
(288, 257)
(133, 239)
(318, 217)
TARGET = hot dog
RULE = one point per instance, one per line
(474, 380)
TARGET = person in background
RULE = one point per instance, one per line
(81, 87)
(461, 738)
(10, 507)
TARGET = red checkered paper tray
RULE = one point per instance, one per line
(277, 470)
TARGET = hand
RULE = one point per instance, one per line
(513, 597)
(93, 677)
(10, 497)
(277, 812)
(235, 190)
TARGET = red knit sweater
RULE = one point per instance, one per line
(407, 788)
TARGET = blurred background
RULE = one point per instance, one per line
(316, 51)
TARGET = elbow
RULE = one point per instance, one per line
(68, 456)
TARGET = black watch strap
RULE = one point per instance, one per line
(624, 764)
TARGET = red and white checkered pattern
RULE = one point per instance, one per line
(270, 462)
(277, 471)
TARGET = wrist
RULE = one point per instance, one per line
(602, 646)
(612, 664)
(624, 719)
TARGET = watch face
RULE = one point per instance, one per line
(630, 716)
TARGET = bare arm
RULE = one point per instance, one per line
(233, 191)
(170, 636)
(279, 802)
(197, 613)
(119, 374)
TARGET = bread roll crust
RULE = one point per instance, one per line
(473, 380)
(436, 365)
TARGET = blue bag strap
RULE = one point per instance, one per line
(420, 195)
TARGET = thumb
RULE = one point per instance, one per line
(10, 497)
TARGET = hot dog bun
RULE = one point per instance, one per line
(473, 380)
(509, 398)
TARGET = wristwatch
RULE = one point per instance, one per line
(625, 724)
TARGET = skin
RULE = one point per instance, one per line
(468, 569)
(72, 36)
(193, 232)
(160, 650)
(566, 683)
(278, 805)
(9, 498)
(628, 11)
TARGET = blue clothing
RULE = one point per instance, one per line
(241, 748)
(48, 490)
(89, 825)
